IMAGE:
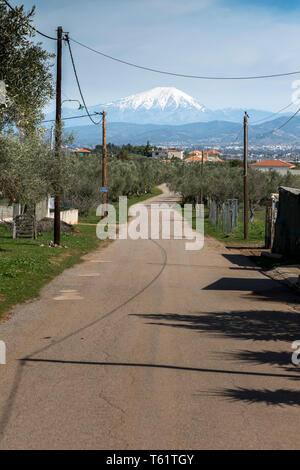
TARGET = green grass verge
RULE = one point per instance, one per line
(93, 219)
(256, 232)
(27, 265)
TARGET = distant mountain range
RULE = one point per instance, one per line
(201, 133)
(166, 116)
(163, 105)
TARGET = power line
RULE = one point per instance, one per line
(238, 135)
(77, 80)
(273, 114)
(32, 27)
(72, 117)
(164, 72)
(201, 77)
(282, 125)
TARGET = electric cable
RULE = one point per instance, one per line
(201, 77)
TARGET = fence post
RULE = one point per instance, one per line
(271, 216)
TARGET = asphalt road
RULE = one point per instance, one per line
(148, 346)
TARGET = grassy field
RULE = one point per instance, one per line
(27, 265)
(93, 219)
(256, 230)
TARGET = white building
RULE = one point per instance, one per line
(159, 153)
(175, 153)
(278, 165)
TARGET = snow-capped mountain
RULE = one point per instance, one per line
(161, 105)
(162, 98)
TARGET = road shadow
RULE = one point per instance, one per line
(202, 370)
(262, 288)
(256, 325)
(274, 358)
(239, 260)
(278, 397)
(282, 359)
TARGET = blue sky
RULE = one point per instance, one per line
(215, 37)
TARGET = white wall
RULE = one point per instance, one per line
(176, 154)
(70, 216)
(282, 171)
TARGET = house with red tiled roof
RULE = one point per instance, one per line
(81, 152)
(194, 158)
(207, 155)
(278, 165)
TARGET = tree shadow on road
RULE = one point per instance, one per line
(260, 288)
(282, 359)
(240, 260)
(256, 325)
(278, 397)
(274, 358)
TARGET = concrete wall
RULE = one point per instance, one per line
(7, 213)
(176, 154)
(70, 216)
(42, 209)
(281, 170)
(287, 227)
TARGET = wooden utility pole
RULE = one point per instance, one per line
(246, 196)
(104, 156)
(202, 163)
(57, 200)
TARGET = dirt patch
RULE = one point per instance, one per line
(46, 225)
(63, 256)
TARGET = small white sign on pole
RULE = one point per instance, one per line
(2, 93)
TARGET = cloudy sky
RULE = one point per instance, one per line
(202, 37)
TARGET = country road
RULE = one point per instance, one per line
(148, 346)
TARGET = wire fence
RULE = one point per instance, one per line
(227, 212)
(214, 213)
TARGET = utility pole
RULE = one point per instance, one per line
(104, 155)
(202, 163)
(57, 200)
(246, 196)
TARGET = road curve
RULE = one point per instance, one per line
(148, 346)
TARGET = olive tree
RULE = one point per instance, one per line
(25, 67)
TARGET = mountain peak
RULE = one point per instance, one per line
(160, 98)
